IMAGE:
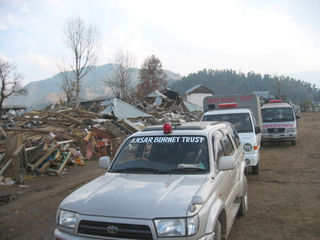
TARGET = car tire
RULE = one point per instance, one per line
(217, 231)
(294, 142)
(244, 199)
(256, 169)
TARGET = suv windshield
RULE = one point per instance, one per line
(241, 121)
(162, 154)
(277, 115)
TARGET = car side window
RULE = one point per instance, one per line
(227, 146)
(235, 137)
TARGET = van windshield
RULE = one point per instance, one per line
(277, 114)
(163, 154)
(241, 121)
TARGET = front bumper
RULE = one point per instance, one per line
(61, 234)
(252, 159)
(279, 137)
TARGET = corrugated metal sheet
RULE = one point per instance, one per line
(122, 110)
(192, 107)
(156, 93)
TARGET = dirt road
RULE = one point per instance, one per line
(284, 200)
(285, 197)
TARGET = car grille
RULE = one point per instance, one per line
(276, 130)
(116, 230)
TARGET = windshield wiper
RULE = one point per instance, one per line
(135, 169)
(187, 169)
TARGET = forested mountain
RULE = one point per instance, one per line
(232, 82)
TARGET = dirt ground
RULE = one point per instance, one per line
(284, 199)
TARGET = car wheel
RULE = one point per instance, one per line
(294, 142)
(244, 199)
(255, 169)
(217, 231)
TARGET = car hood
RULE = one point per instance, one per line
(247, 138)
(135, 195)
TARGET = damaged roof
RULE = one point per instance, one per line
(156, 93)
(122, 110)
(192, 107)
(198, 89)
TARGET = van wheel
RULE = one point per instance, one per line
(294, 142)
(244, 199)
(255, 169)
(217, 231)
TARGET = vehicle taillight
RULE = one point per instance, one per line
(228, 105)
(167, 128)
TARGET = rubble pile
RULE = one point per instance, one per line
(46, 141)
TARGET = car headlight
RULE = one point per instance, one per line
(192, 225)
(67, 219)
(247, 147)
(290, 129)
(178, 227)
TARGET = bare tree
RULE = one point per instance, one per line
(68, 86)
(9, 77)
(82, 40)
(121, 80)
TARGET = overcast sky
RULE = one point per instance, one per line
(271, 36)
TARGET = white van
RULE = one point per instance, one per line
(243, 111)
(278, 122)
(244, 122)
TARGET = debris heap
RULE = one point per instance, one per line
(46, 141)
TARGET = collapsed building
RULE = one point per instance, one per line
(46, 141)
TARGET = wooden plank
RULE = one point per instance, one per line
(71, 118)
(44, 157)
(6, 166)
(13, 143)
(1, 157)
(64, 142)
(15, 153)
(61, 166)
(48, 163)
(28, 130)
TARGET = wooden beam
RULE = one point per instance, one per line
(48, 163)
(61, 166)
(71, 118)
(44, 157)
(6, 166)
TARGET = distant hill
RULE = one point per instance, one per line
(232, 82)
(48, 90)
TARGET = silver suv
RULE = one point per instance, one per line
(179, 182)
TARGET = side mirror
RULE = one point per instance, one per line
(298, 117)
(257, 129)
(226, 163)
(104, 162)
